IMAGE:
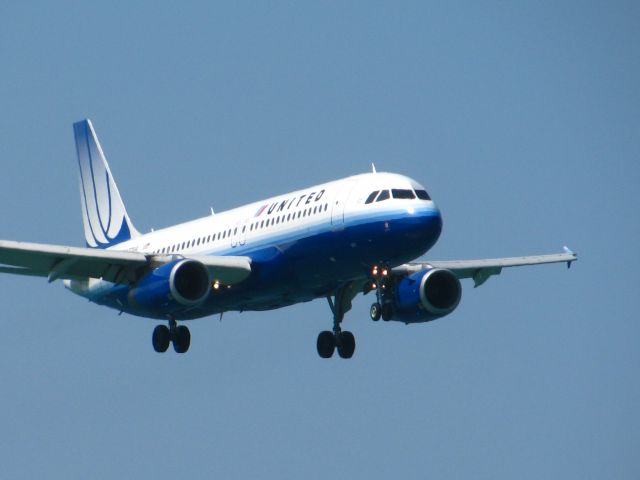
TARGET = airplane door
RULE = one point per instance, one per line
(339, 202)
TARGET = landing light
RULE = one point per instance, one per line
(215, 285)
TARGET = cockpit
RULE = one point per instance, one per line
(397, 193)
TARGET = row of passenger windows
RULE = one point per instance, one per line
(253, 226)
(399, 193)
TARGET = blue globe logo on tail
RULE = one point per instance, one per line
(105, 218)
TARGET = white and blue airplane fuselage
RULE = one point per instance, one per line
(333, 240)
(302, 245)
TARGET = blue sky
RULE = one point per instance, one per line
(523, 121)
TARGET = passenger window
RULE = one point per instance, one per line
(384, 195)
(423, 195)
(371, 197)
(402, 194)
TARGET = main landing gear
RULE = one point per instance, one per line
(345, 342)
(178, 335)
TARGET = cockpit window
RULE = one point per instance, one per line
(423, 195)
(371, 197)
(384, 195)
(402, 194)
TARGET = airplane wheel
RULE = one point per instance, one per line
(387, 312)
(181, 339)
(375, 312)
(326, 344)
(161, 338)
(346, 345)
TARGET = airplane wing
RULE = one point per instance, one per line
(64, 262)
(481, 270)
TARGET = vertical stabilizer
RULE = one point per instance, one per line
(105, 218)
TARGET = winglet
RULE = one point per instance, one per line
(570, 252)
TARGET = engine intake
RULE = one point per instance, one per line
(171, 287)
(440, 291)
(427, 295)
(189, 282)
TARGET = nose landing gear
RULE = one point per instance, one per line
(383, 306)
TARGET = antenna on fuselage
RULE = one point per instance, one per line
(373, 168)
(212, 212)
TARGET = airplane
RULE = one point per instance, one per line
(359, 234)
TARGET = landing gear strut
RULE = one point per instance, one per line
(344, 341)
(178, 335)
(383, 307)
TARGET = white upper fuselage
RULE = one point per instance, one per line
(322, 207)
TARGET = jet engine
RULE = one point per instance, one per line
(173, 286)
(426, 295)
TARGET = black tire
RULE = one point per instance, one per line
(346, 345)
(387, 311)
(161, 338)
(181, 339)
(326, 344)
(375, 311)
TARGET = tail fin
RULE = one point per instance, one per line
(105, 219)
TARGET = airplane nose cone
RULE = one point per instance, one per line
(430, 227)
(436, 220)
(422, 228)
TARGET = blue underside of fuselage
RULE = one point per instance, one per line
(299, 269)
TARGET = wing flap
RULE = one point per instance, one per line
(64, 262)
(60, 261)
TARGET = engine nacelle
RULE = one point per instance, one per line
(426, 295)
(179, 284)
